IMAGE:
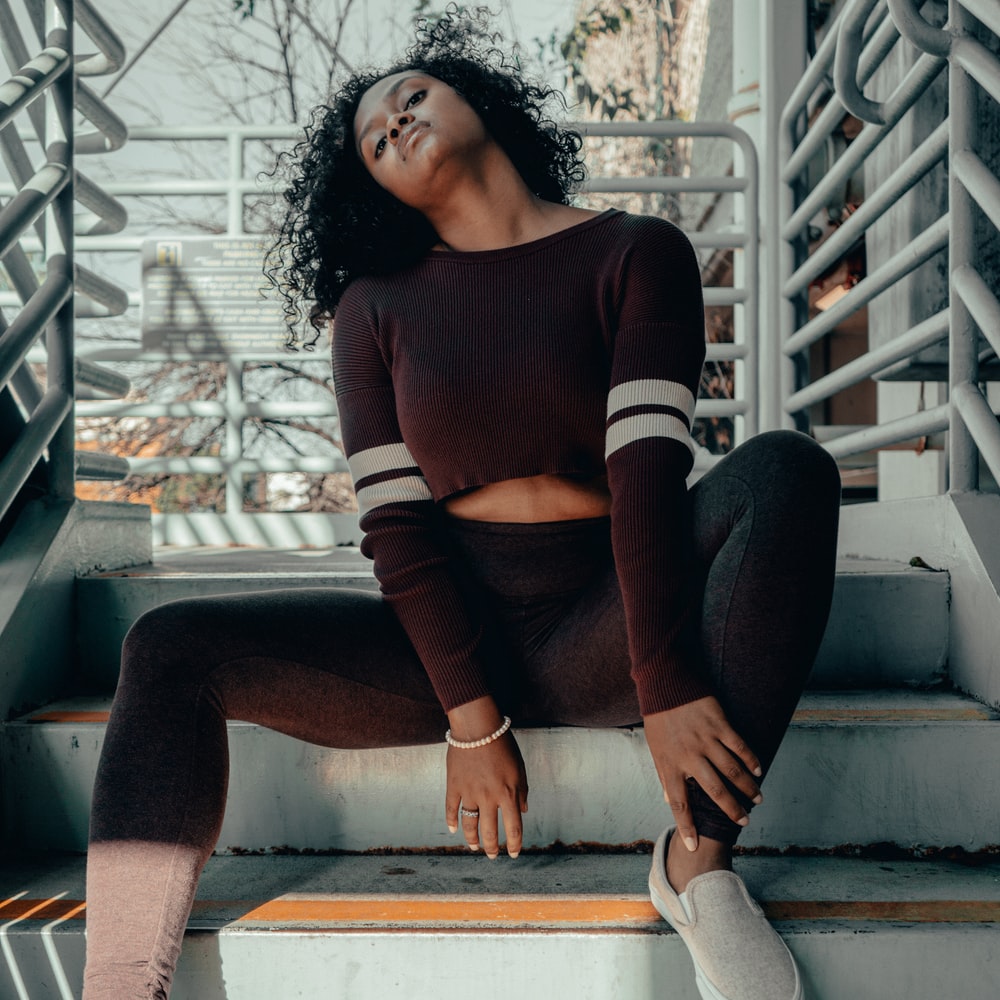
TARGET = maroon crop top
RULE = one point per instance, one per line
(580, 354)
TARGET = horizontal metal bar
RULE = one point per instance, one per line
(29, 203)
(664, 185)
(979, 299)
(208, 409)
(724, 296)
(31, 81)
(112, 55)
(29, 448)
(979, 418)
(881, 435)
(726, 352)
(881, 42)
(919, 78)
(930, 152)
(102, 380)
(979, 181)
(931, 331)
(933, 239)
(979, 63)
(36, 315)
(166, 465)
(96, 465)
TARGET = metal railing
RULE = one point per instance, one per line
(232, 409)
(854, 51)
(39, 432)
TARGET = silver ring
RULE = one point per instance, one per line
(468, 812)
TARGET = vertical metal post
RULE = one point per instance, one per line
(58, 143)
(234, 437)
(782, 35)
(963, 464)
(235, 201)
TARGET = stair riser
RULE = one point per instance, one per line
(832, 784)
(886, 629)
(852, 962)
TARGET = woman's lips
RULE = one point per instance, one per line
(409, 135)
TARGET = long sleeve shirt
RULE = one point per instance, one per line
(576, 354)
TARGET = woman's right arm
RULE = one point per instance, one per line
(402, 536)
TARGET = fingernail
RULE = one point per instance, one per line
(757, 799)
(473, 847)
(758, 772)
(514, 854)
(452, 829)
(691, 844)
(492, 857)
(743, 820)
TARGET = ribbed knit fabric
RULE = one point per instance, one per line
(576, 354)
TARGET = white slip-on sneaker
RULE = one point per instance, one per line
(737, 954)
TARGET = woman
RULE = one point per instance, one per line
(516, 380)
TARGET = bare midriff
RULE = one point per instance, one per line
(532, 500)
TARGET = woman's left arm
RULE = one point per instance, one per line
(657, 356)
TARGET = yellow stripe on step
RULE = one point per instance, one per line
(532, 912)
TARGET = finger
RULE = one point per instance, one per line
(488, 832)
(713, 787)
(451, 802)
(470, 826)
(513, 829)
(733, 741)
(734, 772)
(677, 798)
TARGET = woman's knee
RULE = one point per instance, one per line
(794, 464)
(160, 641)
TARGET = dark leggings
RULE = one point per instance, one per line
(334, 668)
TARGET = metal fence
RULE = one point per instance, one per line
(737, 233)
(964, 142)
(38, 431)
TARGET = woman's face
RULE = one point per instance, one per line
(415, 134)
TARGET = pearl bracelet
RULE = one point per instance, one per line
(473, 744)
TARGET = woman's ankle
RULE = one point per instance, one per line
(684, 865)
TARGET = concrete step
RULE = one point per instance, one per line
(888, 626)
(856, 768)
(544, 926)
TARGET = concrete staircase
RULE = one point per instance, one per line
(875, 850)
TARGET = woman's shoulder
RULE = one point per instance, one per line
(651, 229)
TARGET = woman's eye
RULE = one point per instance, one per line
(416, 98)
(379, 146)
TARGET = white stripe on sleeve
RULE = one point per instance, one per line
(651, 392)
(646, 425)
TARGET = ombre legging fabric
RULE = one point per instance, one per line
(334, 668)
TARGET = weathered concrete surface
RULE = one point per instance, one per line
(50, 544)
(855, 768)
(866, 929)
(888, 626)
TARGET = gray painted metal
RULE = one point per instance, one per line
(882, 766)
(971, 65)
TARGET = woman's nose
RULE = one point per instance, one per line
(396, 125)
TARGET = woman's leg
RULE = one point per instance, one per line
(330, 667)
(765, 530)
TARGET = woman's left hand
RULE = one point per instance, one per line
(695, 740)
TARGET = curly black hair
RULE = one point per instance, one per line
(339, 224)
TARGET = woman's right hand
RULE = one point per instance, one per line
(490, 778)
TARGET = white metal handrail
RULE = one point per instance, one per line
(867, 31)
(232, 410)
(40, 210)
